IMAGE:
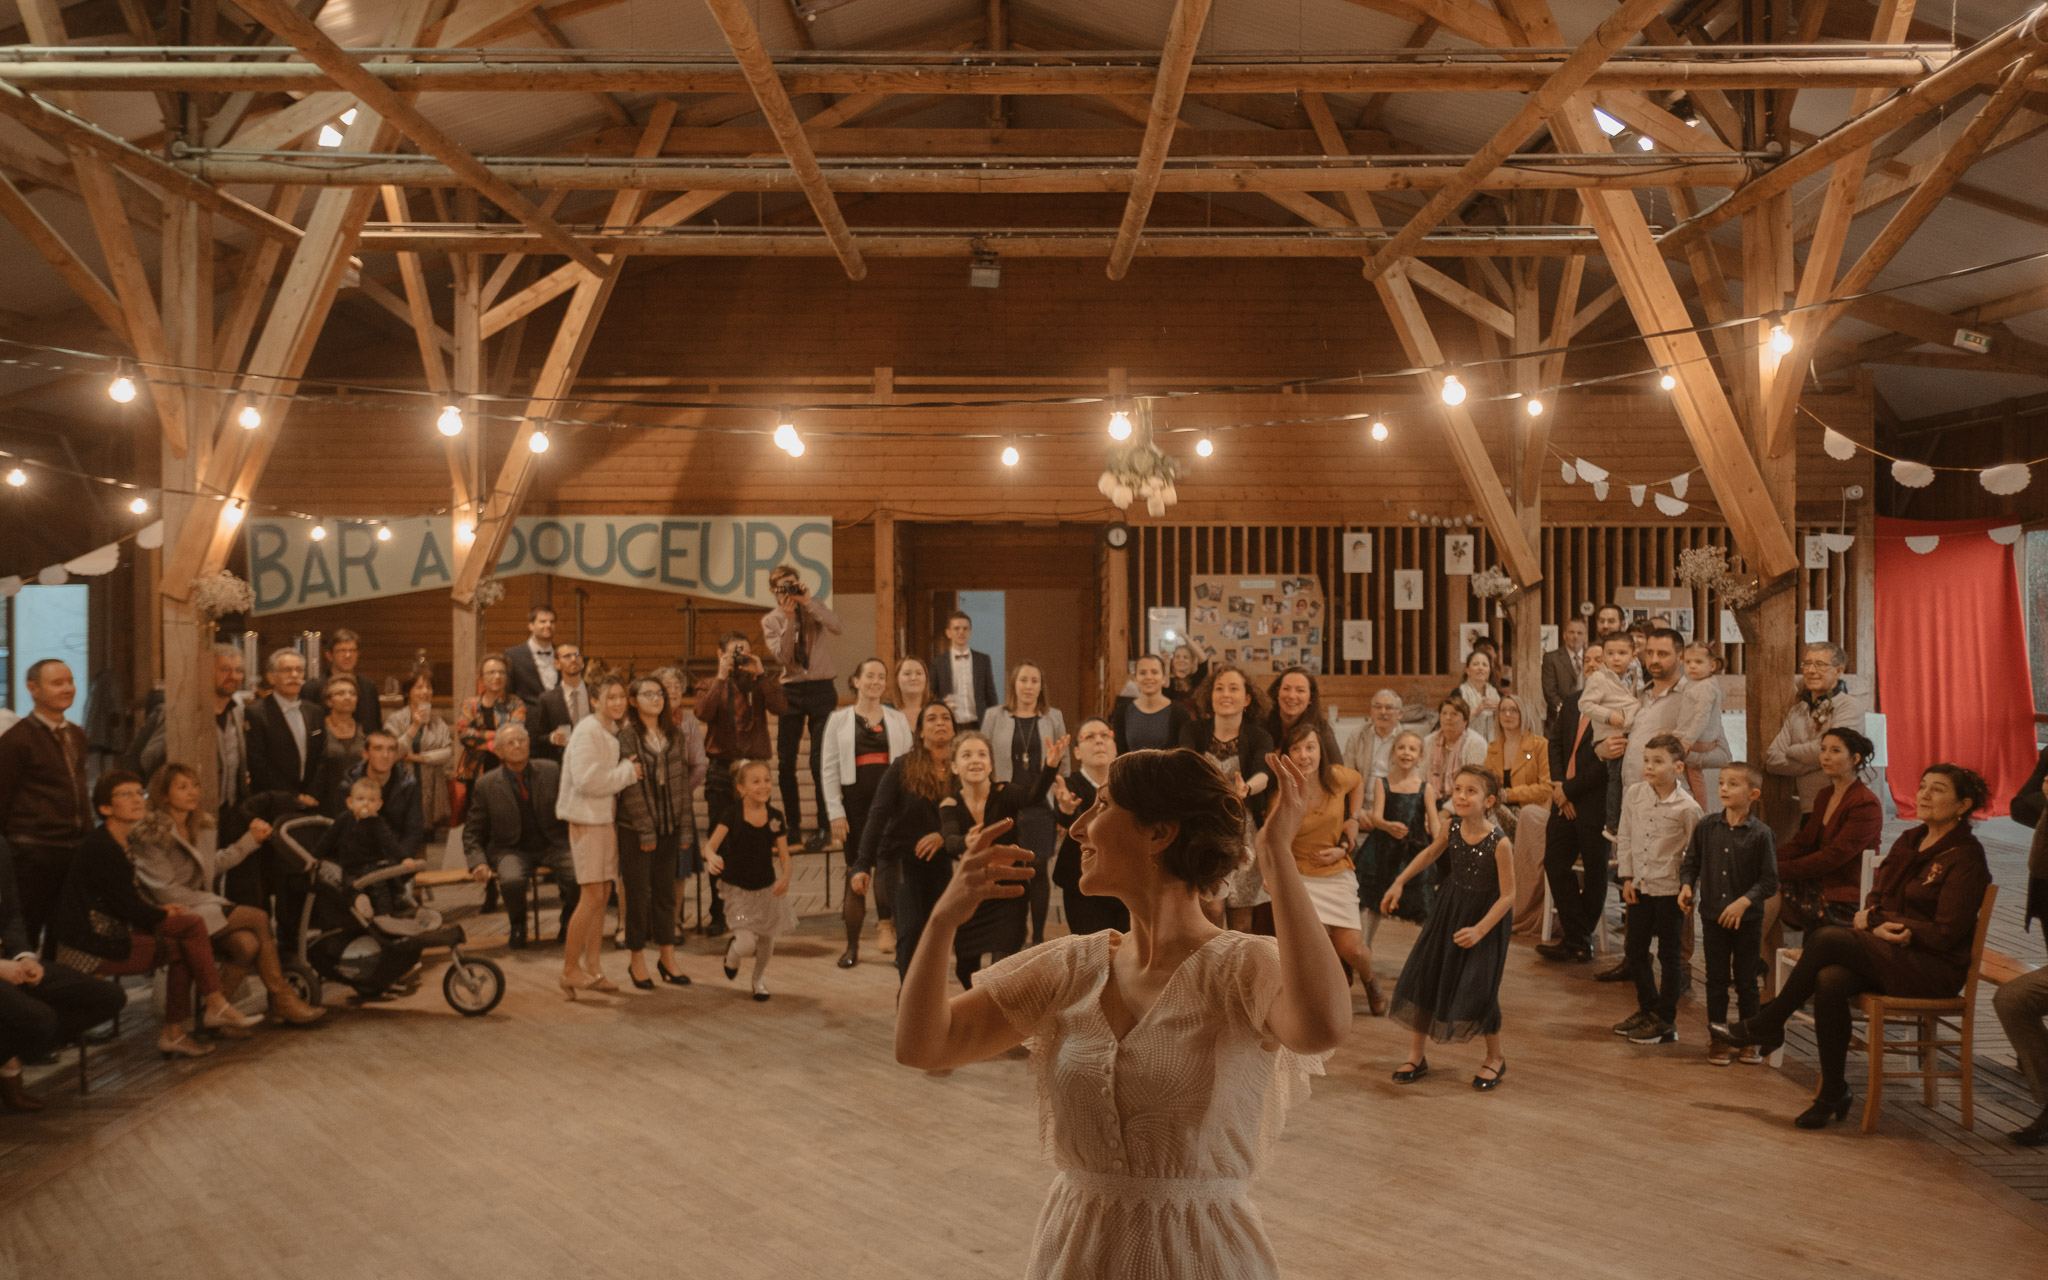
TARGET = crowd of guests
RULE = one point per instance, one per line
(1456, 817)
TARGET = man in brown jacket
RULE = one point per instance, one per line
(45, 808)
(733, 707)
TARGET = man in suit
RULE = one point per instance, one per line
(962, 676)
(1563, 670)
(532, 665)
(45, 807)
(344, 650)
(400, 810)
(511, 828)
(42, 1005)
(1578, 805)
(795, 633)
(562, 706)
(284, 732)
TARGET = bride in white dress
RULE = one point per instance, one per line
(1165, 1058)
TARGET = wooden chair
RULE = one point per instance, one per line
(1931, 1017)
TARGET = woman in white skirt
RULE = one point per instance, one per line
(1165, 1058)
(592, 775)
(1322, 848)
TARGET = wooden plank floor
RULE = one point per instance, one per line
(695, 1131)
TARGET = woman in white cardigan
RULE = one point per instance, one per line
(1019, 734)
(592, 775)
(860, 742)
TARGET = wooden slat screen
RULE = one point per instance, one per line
(1581, 563)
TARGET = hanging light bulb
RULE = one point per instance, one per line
(796, 446)
(1668, 381)
(1781, 339)
(330, 137)
(140, 506)
(785, 436)
(1379, 432)
(1204, 447)
(318, 533)
(1454, 390)
(121, 389)
(383, 533)
(450, 421)
(538, 441)
(249, 418)
(1535, 407)
(232, 514)
(17, 477)
(1119, 425)
(465, 531)
(1009, 455)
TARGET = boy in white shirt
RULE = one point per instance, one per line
(1609, 707)
(1657, 818)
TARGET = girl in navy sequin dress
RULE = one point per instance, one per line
(1450, 986)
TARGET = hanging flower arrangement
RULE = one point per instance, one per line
(215, 595)
(488, 593)
(1708, 567)
(1140, 469)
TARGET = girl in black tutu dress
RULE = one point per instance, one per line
(1450, 986)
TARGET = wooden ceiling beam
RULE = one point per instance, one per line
(1176, 59)
(320, 50)
(745, 40)
(50, 243)
(612, 173)
(558, 374)
(963, 242)
(1617, 30)
(1056, 77)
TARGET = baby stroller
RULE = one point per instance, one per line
(341, 940)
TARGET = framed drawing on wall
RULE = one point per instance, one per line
(1407, 588)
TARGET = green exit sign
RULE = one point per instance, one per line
(1971, 340)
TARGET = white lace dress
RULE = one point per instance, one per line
(1157, 1136)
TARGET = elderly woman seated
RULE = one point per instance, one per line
(175, 849)
(1912, 938)
(105, 928)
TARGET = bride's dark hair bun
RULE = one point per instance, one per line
(1184, 787)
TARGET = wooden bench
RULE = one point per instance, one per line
(1999, 968)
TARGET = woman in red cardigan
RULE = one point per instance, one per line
(1845, 820)
(1912, 937)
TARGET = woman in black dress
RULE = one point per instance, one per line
(1151, 720)
(1227, 729)
(901, 834)
(997, 927)
(1095, 749)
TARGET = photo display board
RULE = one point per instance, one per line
(1265, 624)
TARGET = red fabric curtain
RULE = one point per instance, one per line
(1952, 657)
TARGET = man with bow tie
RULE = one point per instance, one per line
(532, 664)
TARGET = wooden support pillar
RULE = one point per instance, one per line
(467, 377)
(885, 589)
(1116, 629)
(187, 639)
(1771, 630)
(1525, 614)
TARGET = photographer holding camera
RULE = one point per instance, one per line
(795, 631)
(733, 707)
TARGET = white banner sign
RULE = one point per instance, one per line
(723, 557)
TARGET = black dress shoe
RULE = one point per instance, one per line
(1563, 952)
(1409, 1075)
(672, 979)
(850, 959)
(1619, 973)
(1742, 1035)
(643, 984)
(1825, 1109)
(1487, 1084)
(2034, 1134)
(517, 938)
(732, 971)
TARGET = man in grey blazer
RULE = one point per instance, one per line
(1563, 669)
(512, 828)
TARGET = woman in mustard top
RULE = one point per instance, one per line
(1324, 844)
